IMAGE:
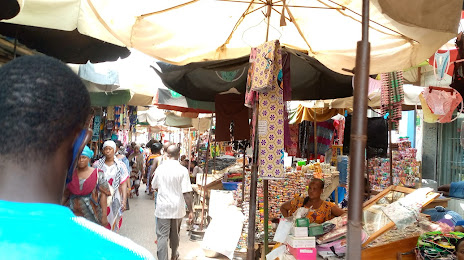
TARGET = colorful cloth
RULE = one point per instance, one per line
(85, 201)
(319, 216)
(440, 104)
(116, 175)
(267, 66)
(325, 132)
(49, 231)
(392, 96)
(292, 148)
(271, 123)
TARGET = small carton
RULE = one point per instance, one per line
(303, 253)
(301, 242)
(300, 231)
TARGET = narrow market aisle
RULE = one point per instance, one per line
(139, 225)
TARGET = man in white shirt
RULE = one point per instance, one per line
(174, 191)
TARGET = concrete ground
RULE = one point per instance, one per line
(139, 225)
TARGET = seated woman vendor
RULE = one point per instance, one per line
(322, 211)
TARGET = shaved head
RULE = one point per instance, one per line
(173, 152)
(166, 146)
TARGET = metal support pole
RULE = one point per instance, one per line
(205, 178)
(243, 175)
(359, 139)
(315, 136)
(390, 147)
(266, 215)
(189, 143)
(253, 187)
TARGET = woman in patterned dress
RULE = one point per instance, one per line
(116, 174)
(320, 211)
(86, 194)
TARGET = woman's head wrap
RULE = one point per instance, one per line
(111, 144)
(87, 152)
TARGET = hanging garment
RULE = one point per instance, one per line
(429, 117)
(392, 96)
(303, 113)
(453, 58)
(374, 85)
(271, 133)
(251, 96)
(110, 113)
(441, 64)
(377, 137)
(284, 79)
(441, 102)
(271, 128)
(230, 108)
(325, 132)
(267, 66)
(292, 148)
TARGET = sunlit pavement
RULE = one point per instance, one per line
(139, 225)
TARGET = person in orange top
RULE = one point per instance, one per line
(320, 211)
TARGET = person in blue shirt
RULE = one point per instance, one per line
(45, 114)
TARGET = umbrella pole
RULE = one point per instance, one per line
(390, 150)
(253, 192)
(315, 136)
(359, 139)
(189, 150)
(205, 177)
(243, 175)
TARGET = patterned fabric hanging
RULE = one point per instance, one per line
(271, 112)
(392, 96)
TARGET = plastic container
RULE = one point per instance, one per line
(230, 185)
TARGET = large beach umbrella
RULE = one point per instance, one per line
(402, 33)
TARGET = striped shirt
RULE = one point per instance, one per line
(172, 181)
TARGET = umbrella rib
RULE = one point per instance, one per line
(168, 9)
(383, 26)
(312, 7)
(238, 1)
(290, 20)
(240, 20)
(298, 28)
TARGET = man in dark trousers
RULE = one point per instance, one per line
(174, 191)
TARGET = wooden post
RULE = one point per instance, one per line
(266, 215)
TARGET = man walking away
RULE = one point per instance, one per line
(174, 191)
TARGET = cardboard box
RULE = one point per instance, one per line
(301, 242)
(300, 231)
(303, 253)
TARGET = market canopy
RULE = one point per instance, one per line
(171, 100)
(203, 80)
(402, 33)
(65, 29)
(67, 46)
(128, 81)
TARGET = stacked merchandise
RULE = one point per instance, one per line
(280, 191)
(405, 168)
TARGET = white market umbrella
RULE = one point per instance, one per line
(402, 33)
